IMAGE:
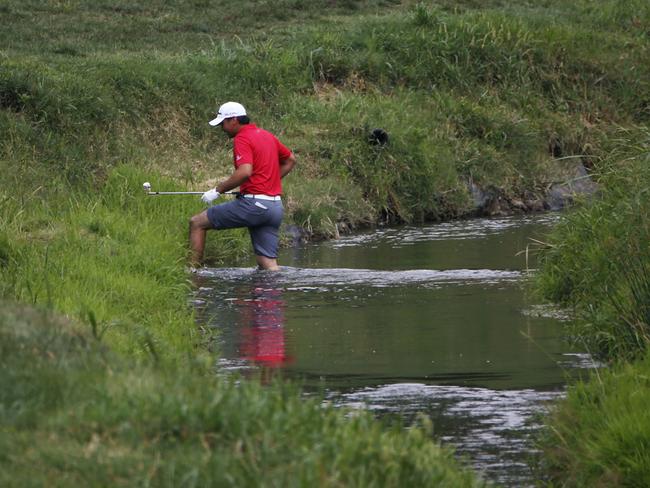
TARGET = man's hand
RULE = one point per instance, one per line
(286, 165)
(210, 195)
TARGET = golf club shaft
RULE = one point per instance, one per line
(153, 193)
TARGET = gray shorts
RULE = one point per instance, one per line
(262, 217)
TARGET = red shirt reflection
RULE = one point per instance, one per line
(262, 334)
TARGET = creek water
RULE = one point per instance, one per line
(404, 321)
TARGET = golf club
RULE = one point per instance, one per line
(147, 189)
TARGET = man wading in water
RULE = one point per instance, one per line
(261, 161)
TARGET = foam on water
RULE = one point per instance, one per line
(316, 278)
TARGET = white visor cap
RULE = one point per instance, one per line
(227, 111)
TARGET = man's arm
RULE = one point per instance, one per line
(286, 165)
(239, 176)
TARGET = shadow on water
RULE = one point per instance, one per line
(430, 319)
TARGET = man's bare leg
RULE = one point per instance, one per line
(199, 225)
(269, 264)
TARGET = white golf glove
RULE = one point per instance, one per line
(210, 195)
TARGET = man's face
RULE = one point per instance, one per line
(229, 126)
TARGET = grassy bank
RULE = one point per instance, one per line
(112, 259)
(598, 435)
(597, 263)
(597, 260)
(84, 415)
(491, 97)
(98, 97)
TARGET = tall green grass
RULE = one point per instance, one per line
(599, 435)
(597, 260)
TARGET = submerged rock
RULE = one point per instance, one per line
(574, 183)
(493, 201)
(578, 184)
(297, 235)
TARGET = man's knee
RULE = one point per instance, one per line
(200, 221)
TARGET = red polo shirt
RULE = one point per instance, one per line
(264, 151)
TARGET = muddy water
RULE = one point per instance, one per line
(432, 319)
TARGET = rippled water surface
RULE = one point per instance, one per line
(431, 319)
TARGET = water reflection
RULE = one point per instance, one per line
(262, 334)
(250, 316)
(356, 328)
